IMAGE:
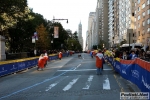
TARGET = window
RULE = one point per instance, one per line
(148, 11)
(138, 1)
(148, 2)
(129, 22)
(143, 5)
(148, 30)
(132, 14)
(135, 27)
(143, 23)
(148, 21)
(143, 14)
(139, 17)
(139, 33)
(138, 8)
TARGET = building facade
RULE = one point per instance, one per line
(121, 18)
(129, 14)
(113, 20)
(142, 22)
(102, 22)
(90, 36)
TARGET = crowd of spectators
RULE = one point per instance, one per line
(133, 53)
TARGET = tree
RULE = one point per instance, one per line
(73, 43)
(43, 42)
(19, 37)
(10, 11)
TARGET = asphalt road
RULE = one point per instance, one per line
(71, 78)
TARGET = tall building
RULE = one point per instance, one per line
(112, 21)
(80, 38)
(98, 25)
(142, 22)
(91, 22)
(86, 41)
(120, 20)
(102, 21)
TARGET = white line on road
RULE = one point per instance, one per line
(106, 84)
(77, 67)
(70, 84)
(54, 84)
(82, 70)
(88, 83)
(107, 69)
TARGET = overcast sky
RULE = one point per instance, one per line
(73, 10)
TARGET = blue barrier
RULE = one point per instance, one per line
(134, 73)
(10, 68)
(13, 67)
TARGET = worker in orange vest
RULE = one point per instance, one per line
(99, 62)
(60, 55)
(41, 62)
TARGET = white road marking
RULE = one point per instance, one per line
(77, 67)
(70, 84)
(107, 69)
(88, 83)
(106, 84)
(82, 70)
(57, 67)
(54, 84)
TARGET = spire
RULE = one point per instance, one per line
(80, 23)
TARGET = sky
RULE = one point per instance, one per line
(75, 11)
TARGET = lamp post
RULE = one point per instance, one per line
(34, 38)
(52, 41)
(129, 42)
(55, 35)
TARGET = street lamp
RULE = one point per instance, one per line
(55, 35)
(61, 19)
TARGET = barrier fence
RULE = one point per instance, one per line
(13, 66)
(137, 71)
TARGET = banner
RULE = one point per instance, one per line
(56, 32)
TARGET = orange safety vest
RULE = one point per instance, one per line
(99, 62)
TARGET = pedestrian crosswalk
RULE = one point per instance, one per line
(80, 82)
(88, 83)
